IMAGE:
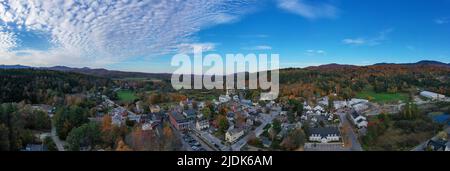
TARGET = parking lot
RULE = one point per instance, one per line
(324, 147)
(193, 143)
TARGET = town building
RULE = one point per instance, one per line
(154, 108)
(324, 135)
(149, 126)
(357, 101)
(35, 147)
(234, 134)
(437, 145)
(236, 98)
(339, 104)
(432, 95)
(179, 121)
(202, 124)
(323, 101)
(224, 98)
(190, 114)
(139, 108)
(361, 107)
(358, 120)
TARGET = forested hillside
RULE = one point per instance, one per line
(41, 86)
(347, 80)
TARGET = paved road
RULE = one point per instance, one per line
(203, 143)
(58, 142)
(266, 119)
(213, 140)
(324, 147)
(356, 146)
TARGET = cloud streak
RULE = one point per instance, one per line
(309, 9)
(312, 52)
(259, 47)
(374, 41)
(95, 32)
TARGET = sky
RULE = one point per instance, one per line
(143, 35)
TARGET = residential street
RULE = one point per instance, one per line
(207, 146)
(58, 142)
(266, 119)
(356, 146)
(213, 140)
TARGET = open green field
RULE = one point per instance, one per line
(382, 97)
(126, 95)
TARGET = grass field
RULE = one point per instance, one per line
(382, 97)
(126, 95)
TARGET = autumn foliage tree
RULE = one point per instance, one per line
(121, 146)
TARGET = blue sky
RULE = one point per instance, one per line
(143, 36)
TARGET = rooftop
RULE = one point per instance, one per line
(325, 131)
(177, 116)
(234, 130)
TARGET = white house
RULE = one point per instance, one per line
(202, 124)
(360, 107)
(201, 105)
(324, 101)
(224, 98)
(268, 96)
(307, 107)
(359, 120)
(304, 117)
(236, 98)
(324, 135)
(234, 134)
(339, 104)
(318, 108)
(154, 108)
(432, 95)
(356, 101)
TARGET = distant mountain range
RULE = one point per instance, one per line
(96, 72)
(420, 63)
(424, 62)
(122, 74)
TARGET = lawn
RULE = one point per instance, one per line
(382, 97)
(126, 95)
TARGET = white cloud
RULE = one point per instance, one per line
(7, 40)
(312, 52)
(358, 41)
(254, 36)
(442, 20)
(260, 47)
(374, 41)
(98, 32)
(190, 48)
(309, 9)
